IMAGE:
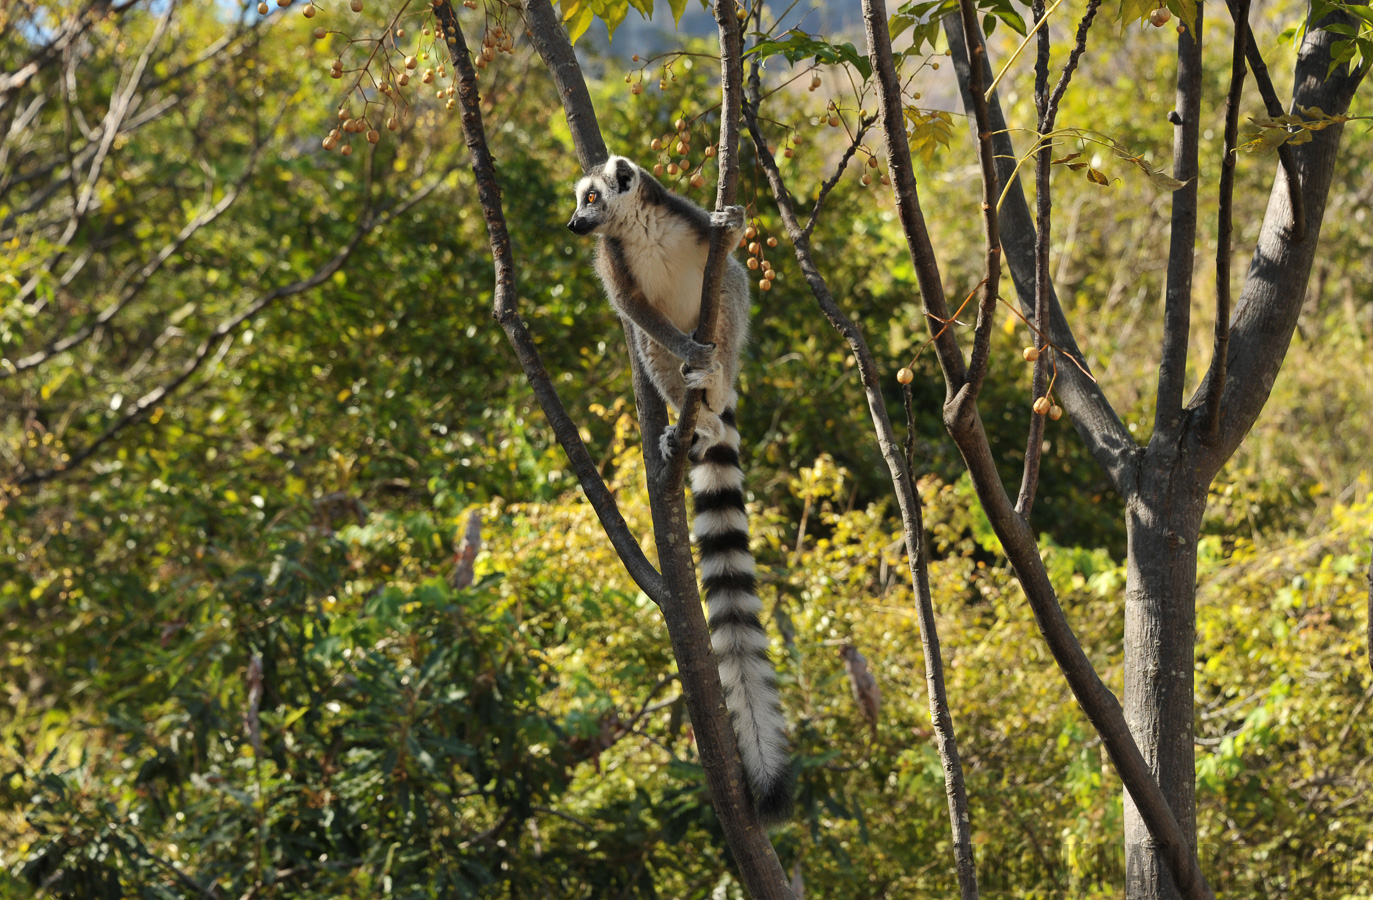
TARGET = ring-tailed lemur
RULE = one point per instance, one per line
(651, 256)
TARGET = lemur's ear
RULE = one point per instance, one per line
(624, 174)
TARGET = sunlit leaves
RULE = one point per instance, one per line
(797, 45)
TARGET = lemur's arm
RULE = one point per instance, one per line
(632, 303)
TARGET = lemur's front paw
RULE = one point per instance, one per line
(666, 445)
(700, 356)
(732, 217)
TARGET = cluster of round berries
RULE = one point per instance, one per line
(757, 261)
(679, 142)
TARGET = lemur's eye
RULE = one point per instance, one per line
(590, 196)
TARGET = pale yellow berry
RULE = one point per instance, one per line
(867, 179)
(658, 169)
(411, 62)
(681, 124)
(320, 32)
(1041, 406)
(834, 121)
(347, 150)
(636, 88)
(905, 376)
(710, 151)
(656, 144)
(698, 180)
(1055, 412)
(393, 124)
(765, 285)
(1159, 17)
(752, 263)
(772, 242)
(403, 79)
(672, 169)
(308, 11)
(1030, 353)
(356, 5)
(750, 232)
(872, 162)
(262, 9)
(373, 136)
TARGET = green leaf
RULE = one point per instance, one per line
(1131, 11)
(678, 8)
(613, 13)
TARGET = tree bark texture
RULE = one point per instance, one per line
(1163, 520)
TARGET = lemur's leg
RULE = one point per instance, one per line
(664, 370)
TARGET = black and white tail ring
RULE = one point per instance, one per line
(737, 635)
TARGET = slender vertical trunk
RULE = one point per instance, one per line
(1163, 519)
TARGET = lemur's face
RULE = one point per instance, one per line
(599, 193)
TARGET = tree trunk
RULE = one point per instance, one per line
(1163, 520)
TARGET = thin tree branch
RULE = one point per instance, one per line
(1177, 304)
(1225, 225)
(731, 94)
(119, 108)
(555, 50)
(1274, 289)
(1047, 107)
(218, 340)
(980, 360)
(1096, 422)
(1017, 539)
(908, 501)
(758, 866)
(1274, 107)
(507, 314)
(140, 279)
(1034, 441)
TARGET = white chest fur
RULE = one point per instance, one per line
(667, 260)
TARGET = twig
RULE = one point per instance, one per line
(982, 334)
(731, 93)
(1182, 233)
(1092, 415)
(1047, 108)
(1274, 107)
(965, 426)
(507, 314)
(907, 499)
(1225, 226)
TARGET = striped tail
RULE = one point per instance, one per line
(737, 636)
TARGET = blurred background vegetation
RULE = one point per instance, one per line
(233, 658)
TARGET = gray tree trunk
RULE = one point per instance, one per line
(1163, 520)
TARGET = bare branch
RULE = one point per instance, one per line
(1274, 107)
(1267, 310)
(986, 309)
(1177, 304)
(119, 108)
(907, 499)
(731, 93)
(1096, 422)
(219, 339)
(507, 314)
(556, 51)
(1047, 109)
(1225, 225)
(140, 279)
(965, 425)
